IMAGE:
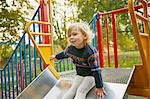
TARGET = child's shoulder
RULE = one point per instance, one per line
(91, 49)
(69, 48)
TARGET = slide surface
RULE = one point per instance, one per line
(46, 86)
(114, 90)
(39, 87)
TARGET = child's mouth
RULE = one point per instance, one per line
(72, 42)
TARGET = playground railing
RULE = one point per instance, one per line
(107, 28)
(142, 38)
(25, 63)
(21, 67)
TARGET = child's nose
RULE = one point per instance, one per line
(71, 37)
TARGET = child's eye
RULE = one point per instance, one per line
(74, 34)
(69, 35)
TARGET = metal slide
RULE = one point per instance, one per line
(46, 86)
(116, 82)
(39, 87)
(114, 91)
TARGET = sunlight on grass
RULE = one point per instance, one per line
(125, 59)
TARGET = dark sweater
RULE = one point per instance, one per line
(85, 60)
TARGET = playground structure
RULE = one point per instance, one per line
(52, 88)
(141, 79)
(139, 84)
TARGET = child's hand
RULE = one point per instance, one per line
(100, 92)
(52, 57)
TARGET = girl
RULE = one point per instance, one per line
(85, 59)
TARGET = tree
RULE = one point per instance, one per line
(5, 52)
(63, 14)
(13, 16)
(87, 8)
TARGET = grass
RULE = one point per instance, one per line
(125, 59)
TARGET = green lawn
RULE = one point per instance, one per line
(125, 59)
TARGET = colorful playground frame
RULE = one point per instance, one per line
(45, 48)
(140, 84)
(144, 83)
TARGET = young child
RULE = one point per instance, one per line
(85, 58)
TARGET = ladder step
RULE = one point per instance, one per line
(44, 45)
(43, 34)
(144, 34)
(141, 17)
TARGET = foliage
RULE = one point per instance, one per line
(13, 16)
(125, 37)
(87, 8)
(126, 43)
(5, 52)
(63, 14)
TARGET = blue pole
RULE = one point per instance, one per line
(94, 31)
(35, 74)
(40, 41)
(25, 65)
(30, 61)
(5, 83)
(9, 79)
(20, 49)
(13, 77)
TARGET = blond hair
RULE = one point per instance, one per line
(83, 28)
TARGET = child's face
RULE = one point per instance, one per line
(76, 38)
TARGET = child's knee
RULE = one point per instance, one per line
(80, 96)
(81, 93)
(86, 85)
(82, 90)
(69, 95)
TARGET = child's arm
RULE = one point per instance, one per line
(94, 65)
(59, 56)
(95, 68)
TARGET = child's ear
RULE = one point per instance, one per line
(85, 37)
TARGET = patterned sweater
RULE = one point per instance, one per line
(85, 60)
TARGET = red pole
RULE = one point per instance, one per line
(22, 75)
(19, 73)
(100, 40)
(115, 40)
(107, 40)
(44, 17)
